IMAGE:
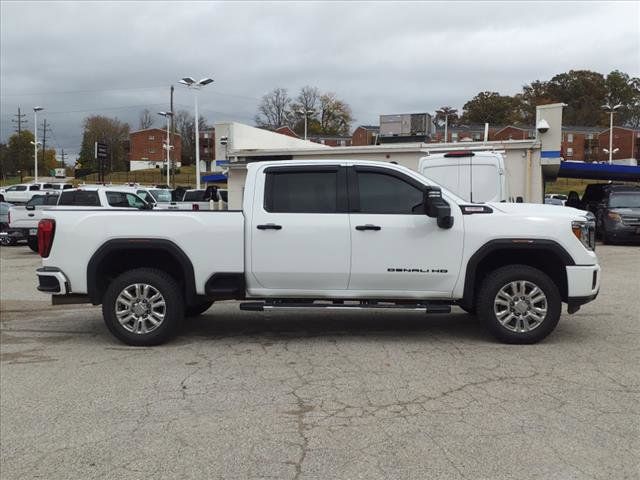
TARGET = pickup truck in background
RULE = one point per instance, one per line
(333, 234)
(22, 193)
(25, 218)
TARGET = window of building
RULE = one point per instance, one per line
(152, 137)
(302, 192)
(454, 136)
(343, 143)
(387, 194)
(570, 137)
(152, 150)
(569, 152)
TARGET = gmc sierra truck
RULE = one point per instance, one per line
(325, 235)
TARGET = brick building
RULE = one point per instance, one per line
(208, 145)
(331, 141)
(626, 140)
(286, 131)
(365, 135)
(146, 149)
(511, 132)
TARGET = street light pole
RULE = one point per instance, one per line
(196, 86)
(446, 127)
(35, 141)
(306, 113)
(611, 110)
(167, 145)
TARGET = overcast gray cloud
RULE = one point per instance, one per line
(116, 58)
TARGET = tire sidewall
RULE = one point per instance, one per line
(498, 279)
(162, 282)
(33, 243)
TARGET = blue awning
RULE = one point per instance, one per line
(599, 171)
(214, 177)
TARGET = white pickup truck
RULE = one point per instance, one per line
(325, 235)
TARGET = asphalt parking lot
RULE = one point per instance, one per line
(243, 395)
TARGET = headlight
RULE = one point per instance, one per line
(585, 231)
(614, 216)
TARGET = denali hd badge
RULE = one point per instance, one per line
(417, 270)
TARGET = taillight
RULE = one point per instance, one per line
(9, 217)
(46, 231)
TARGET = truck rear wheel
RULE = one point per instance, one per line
(32, 241)
(143, 307)
(519, 304)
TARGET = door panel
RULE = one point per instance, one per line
(394, 245)
(300, 237)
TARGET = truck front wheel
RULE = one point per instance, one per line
(519, 304)
(143, 307)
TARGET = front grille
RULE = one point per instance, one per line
(631, 221)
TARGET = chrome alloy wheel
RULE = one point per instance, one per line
(520, 306)
(140, 308)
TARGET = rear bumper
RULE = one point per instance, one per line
(583, 285)
(52, 280)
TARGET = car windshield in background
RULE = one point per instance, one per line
(161, 195)
(623, 199)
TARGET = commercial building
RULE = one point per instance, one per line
(528, 162)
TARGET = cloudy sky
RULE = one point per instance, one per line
(117, 58)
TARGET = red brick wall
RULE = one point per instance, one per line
(623, 138)
(509, 133)
(362, 136)
(147, 145)
(572, 146)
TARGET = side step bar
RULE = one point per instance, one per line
(416, 307)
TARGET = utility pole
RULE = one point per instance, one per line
(44, 137)
(19, 120)
(62, 155)
(171, 160)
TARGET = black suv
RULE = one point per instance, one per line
(618, 214)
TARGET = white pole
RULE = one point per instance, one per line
(611, 138)
(168, 149)
(305, 124)
(197, 141)
(446, 127)
(35, 143)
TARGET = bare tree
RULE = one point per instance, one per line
(146, 119)
(275, 109)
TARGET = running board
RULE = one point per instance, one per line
(417, 307)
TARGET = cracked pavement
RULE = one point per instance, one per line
(317, 395)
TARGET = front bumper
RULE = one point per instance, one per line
(52, 280)
(583, 285)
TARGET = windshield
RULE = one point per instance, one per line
(194, 196)
(623, 199)
(161, 195)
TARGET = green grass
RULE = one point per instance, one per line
(565, 185)
(152, 176)
(9, 181)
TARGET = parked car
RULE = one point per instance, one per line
(21, 193)
(331, 234)
(7, 235)
(102, 197)
(618, 215)
(24, 219)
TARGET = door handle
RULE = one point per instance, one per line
(368, 226)
(30, 214)
(270, 226)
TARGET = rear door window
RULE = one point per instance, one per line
(80, 198)
(302, 192)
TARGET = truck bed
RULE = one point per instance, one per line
(212, 240)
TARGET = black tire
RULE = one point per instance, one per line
(173, 308)
(200, 308)
(33, 243)
(500, 278)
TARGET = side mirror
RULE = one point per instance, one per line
(436, 207)
(30, 207)
(519, 199)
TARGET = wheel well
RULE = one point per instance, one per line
(545, 260)
(113, 260)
